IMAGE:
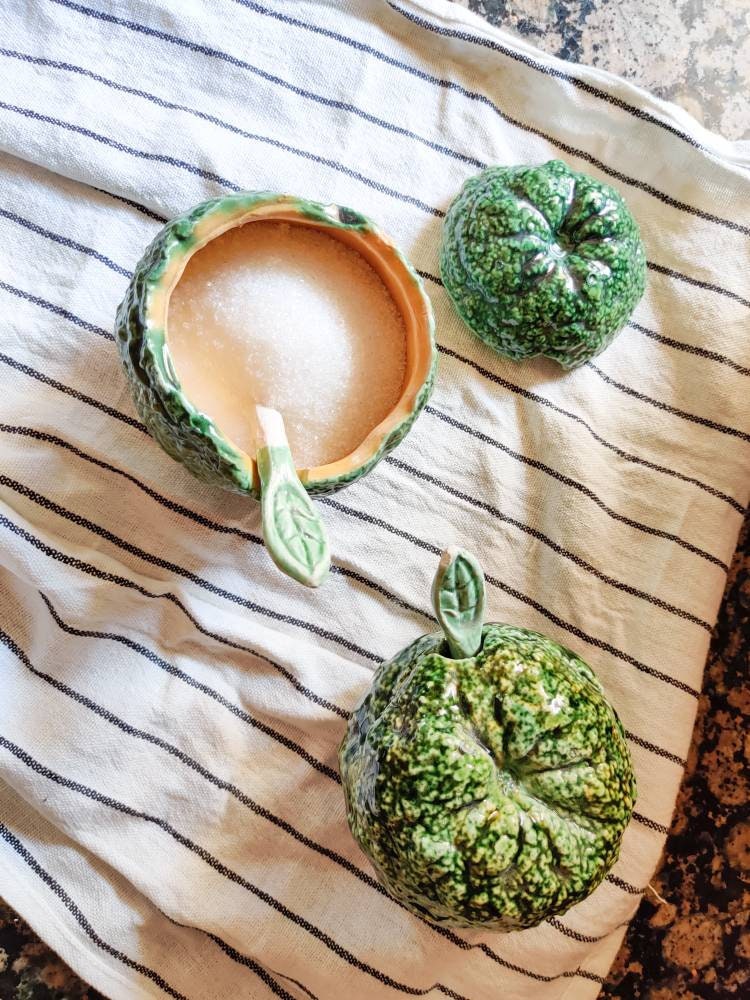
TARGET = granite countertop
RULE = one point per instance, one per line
(695, 53)
(690, 939)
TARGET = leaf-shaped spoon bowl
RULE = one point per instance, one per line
(293, 532)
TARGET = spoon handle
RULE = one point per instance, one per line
(293, 532)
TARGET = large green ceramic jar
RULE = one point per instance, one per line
(486, 774)
(542, 260)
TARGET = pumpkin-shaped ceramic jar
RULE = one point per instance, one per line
(191, 435)
(486, 774)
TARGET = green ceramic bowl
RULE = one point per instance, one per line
(189, 435)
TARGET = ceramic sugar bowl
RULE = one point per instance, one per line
(277, 347)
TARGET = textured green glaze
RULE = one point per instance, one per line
(186, 433)
(542, 260)
(292, 530)
(490, 790)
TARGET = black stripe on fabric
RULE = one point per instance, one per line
(144, 970)
(554, 546)
(653, 748)
(388, 594)
(535, 397)
(158, 661)
(523, 598)
(121, 146)
(222, 869)
(632, 890)
(148, 654)
(80, 919)
(191, 168)
(261, 972)
(666, 408)
(697, 282)
(250, 963)
(547, 70)
(129, 201)
(574, 484)
(233, 790)
(239, 958)
(224, 529)
(651, 824)
(277, 81)
(483, 99)
(19, 366)
(64, 240)
(680, 345)
(173, 671)
(335, 165)
(575, 935)
(57, 310)
(584, 938)
(47, 504)
(311, 695)
(199, 519)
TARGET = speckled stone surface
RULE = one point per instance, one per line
(695, 945)
(693, 52)
(29, 970)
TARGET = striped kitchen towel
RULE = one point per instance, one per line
(171, 816)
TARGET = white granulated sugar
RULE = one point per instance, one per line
(287, 316)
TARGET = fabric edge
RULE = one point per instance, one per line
(90, 966)
(732, 153)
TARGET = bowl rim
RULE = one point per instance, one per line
(207, 222)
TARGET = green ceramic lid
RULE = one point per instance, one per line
(490, 788)
(542, 260)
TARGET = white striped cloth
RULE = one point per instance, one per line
(171, 818)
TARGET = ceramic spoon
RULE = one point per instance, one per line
(293, 532)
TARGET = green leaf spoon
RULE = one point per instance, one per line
(293, 532)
